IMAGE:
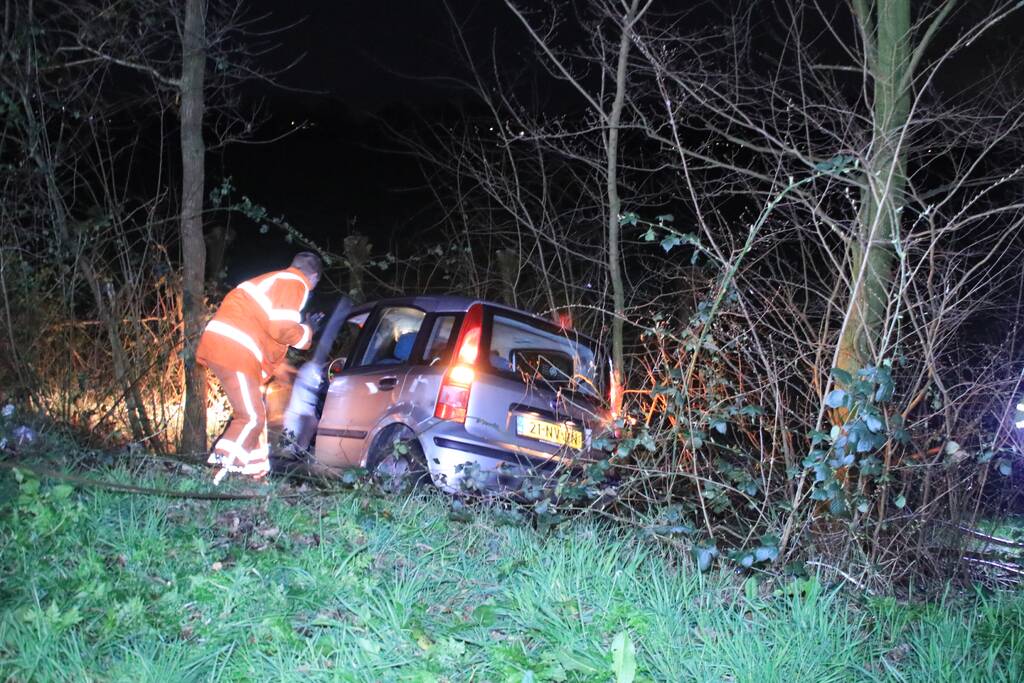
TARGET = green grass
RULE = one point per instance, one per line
(104, 586)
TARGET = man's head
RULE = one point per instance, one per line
(310, 265)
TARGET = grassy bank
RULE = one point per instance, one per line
(108, 586)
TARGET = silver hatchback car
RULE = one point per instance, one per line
(472, 394)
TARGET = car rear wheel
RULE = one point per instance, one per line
(398, 464)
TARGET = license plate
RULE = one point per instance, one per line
(549, 432)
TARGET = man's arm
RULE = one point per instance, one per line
(287, 297)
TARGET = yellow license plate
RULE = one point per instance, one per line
(549, 432)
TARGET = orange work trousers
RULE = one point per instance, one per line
(242, 448)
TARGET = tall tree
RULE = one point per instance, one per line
(836, 197)
(193, 246)
(891, 51)
(195, 55)
(615, 205)
(609, 116)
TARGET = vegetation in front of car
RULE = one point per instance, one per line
(101, 585)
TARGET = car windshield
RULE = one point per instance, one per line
(538, 355)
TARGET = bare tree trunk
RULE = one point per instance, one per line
(218, 238)
(357, 253)
(615, 204)
(193, 247)
(509, 269)
(887, 38)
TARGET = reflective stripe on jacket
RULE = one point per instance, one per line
(257, 322)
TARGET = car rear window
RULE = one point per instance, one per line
(538, 355)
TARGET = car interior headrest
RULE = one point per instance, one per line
(403, 346)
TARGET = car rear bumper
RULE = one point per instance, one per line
(460, 463)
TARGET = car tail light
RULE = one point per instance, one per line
(453, 398)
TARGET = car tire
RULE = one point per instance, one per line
(397, 463)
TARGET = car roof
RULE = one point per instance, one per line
(430, 304)
(444, 303)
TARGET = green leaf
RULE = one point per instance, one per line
(485, 615)
(650, 235)
(370, 646)
(901, 501)
(870, 466)
(842, 376)
(61, 491)
(835, 398)
(952, 447)
(670, 241)
(840, 163)
(813, 458)
(460, 512)
(873, 422)
(704, 554)
(750, 589)
(623, 658)
(665, 218)
(837, 506)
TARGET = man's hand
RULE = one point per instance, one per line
(316, 321)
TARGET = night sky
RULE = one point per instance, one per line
(365, 64)
(373, 54)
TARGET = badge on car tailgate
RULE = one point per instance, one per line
(549, 432)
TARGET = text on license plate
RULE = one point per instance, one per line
(551, 432)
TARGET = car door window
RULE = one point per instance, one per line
(393, 338)
(440, 339)
(345, 342)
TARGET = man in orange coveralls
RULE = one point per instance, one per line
(243, 345)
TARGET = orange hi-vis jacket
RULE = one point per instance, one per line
(257, 322)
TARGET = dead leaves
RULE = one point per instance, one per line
(250, 529)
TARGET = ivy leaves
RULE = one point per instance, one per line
(865, 428)
(765, 552)
(840, 163)
(659, 230)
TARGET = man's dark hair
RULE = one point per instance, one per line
(308, 262)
